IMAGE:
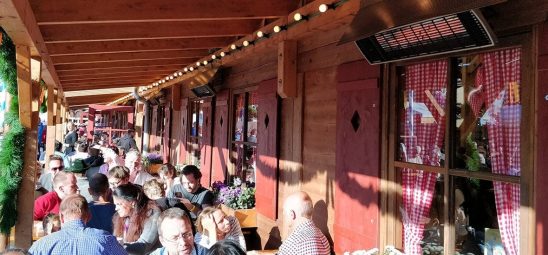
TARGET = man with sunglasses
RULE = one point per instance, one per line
(55, 165)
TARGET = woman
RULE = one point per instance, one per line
(70, 139)
(225, 247)
(167, 175)
(135, 219)
(111, 161)
(214, 225)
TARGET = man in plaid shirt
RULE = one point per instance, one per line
(304, 237)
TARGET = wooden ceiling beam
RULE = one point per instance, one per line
(94, 99)
(100, 86)
(118, 64)
(132, 80)
(128, 56)
(137, 45)
(148, 30)
(112, 77)
(124, 70)
(106, 11)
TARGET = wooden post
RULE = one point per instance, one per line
(287, 69)
(175, 123)
(59, 118)
(51, 131)
(28, 115)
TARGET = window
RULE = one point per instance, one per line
(195, 131)
(244, 136)
(459, 131)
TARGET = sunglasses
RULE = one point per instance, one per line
(58, 168)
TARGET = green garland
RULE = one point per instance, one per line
(13, 145)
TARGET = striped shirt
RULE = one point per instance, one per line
(306, 239)
(235, 235)
(76, 239)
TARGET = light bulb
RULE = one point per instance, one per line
(186, 69)
(180, 73)
(198, 63)
(323, 8)
(205, 62)
(213, 56)
(191, 69)
(277, 29)
(260, 34)
(245, 43)
(297, 16)
(222, 54)
(233, 46)
(175, 74)
(171, 77)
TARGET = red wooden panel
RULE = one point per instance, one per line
(205, 150)
(357, 164)
(183, 132)
(167, 133)
(220, 138)
(542, 143)
(91, 123)
(267, 164)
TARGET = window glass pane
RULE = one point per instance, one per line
(422, 112)
(243, 157)
(239, 102)
(200, 118)
(422, 211)
(479, 227)
(194, 117)
(488, 114)
(252, 109)
(194, 151)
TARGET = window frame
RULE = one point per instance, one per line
(194, 141)
(391, 229)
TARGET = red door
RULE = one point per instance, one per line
(358, 151)
(183, 132)
(266, 179)
(205, 151)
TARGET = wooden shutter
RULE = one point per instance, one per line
(205, 146)
(183, 132)
(357, 165)
(267, 140)
(220, 138)
(153, 129)
(167, 133)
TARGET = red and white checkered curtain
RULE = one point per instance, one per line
(502, 79)
(425, 83)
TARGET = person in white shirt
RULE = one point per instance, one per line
(136, 174)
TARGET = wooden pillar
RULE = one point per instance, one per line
(51, 131)
(287, 69)
(59, 118)
(28, 115)
(139, 117)
(175, 123)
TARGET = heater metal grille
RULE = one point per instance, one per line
(203, 91)
(455, 32)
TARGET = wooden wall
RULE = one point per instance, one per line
(542, 139)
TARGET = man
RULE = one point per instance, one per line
(74, 237)
(304, 237)
(127, 142)
(136, 174)
(70, 139)
(190, 191)
(55, 165)
(101, 208)
(175, 232)
(64, 184)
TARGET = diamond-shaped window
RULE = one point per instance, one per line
(266, 120)
(355, 121)
(221, 121)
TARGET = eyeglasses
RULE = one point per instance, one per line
(60, 168)
(115, 183)
(177, 238)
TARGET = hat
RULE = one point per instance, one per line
(78, 166)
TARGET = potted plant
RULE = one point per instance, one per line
(152, 162)
(237, 200)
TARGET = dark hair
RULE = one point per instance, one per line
(115, 149)
(98, 184)
(15, 250)
(225, 247)
(131, 130)
(58, 146)
(167, 168)
(82, 146)
(192, 169)
(139, 214)
(49, 219)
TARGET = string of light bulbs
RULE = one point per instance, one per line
(261, 35)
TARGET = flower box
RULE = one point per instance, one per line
(154, 168)
(246, 217)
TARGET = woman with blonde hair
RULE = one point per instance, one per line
(214, 225)
(135, 219)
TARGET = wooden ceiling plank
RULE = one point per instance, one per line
(118, 64)
(100, 86)
(138, 45)
(84, 11)
(124, 67)
(111, 77)
(129, 56)
(93, 99)
(148, 30)
(130, 80)
(124, 70)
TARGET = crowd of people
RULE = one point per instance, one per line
(108, 204)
